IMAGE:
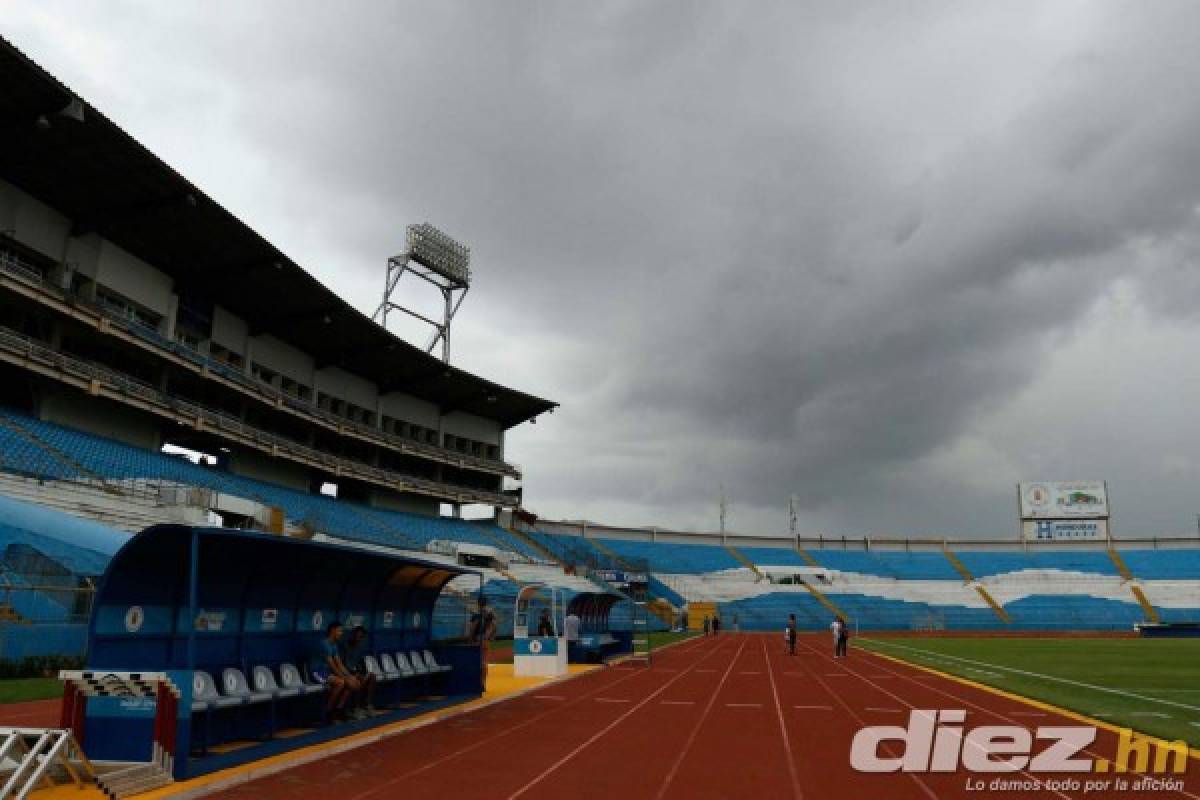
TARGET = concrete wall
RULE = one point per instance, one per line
(260, 466)
(32, 222)
(229, 330)
(282, 358)
(348, 387)
(102, 417)
(472, 427)
(413, 503)
(128, 275)
(410, 409)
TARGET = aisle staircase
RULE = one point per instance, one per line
(733, 551)
(970, 580)
(1128, 577)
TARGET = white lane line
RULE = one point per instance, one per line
(678, 702)
(1197, 724)
(610, 700)
(986, 672)
(885, 710)
(1158, 714)
(743, 705)
(548, 697)
(1054, 678)
(814, 708)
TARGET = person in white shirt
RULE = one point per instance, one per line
(835, 628)
(571, 627)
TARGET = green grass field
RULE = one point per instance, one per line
(19, 690)
(1150, 685)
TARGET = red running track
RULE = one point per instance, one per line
(712, 718)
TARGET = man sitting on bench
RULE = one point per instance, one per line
(352, 653)
(327, 668)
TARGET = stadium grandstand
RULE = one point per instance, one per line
(140, 321)
(881, 584)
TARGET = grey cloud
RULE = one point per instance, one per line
(790, 248)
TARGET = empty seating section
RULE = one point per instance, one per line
(18, 454)
(1163, 564)
(116, 461)
(982, 563)
(677, 558)
(773, 556)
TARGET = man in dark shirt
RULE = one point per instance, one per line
(326, 667)
(789, 635)
(352, 651)
(545, 626)
(483, 630)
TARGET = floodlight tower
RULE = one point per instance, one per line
(440, 261)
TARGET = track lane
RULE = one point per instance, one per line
(738, 750)
(382, 769)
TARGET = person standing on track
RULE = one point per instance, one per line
(716, 625)
(834, 628)
(789, 635)
(707, 624)
(483, 630)
(843, 638)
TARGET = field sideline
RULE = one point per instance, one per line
(1149, 685)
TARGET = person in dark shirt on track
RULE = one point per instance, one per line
(707, 625)
(483, 630)
(843, 638)
(789, 635)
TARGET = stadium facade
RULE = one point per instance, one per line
(135, 307)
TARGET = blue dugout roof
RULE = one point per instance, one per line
(177, 597)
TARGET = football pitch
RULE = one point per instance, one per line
(1149, 685)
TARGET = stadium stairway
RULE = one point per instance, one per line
(961, 568)
(807, 556)
(1147, 608)
(733, 551)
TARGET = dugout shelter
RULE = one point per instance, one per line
(243, 609)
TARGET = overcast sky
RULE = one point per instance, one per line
(891, 258)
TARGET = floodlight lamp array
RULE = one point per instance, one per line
(441, 253)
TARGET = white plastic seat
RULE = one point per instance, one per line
(264, 681)
(405, 668)
(291, 678)
(373, 667)
(234, 684)
(389, 666)
(205, 696)
(432, 664)
(418, 663)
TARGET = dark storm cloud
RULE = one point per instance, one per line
(788, 248)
